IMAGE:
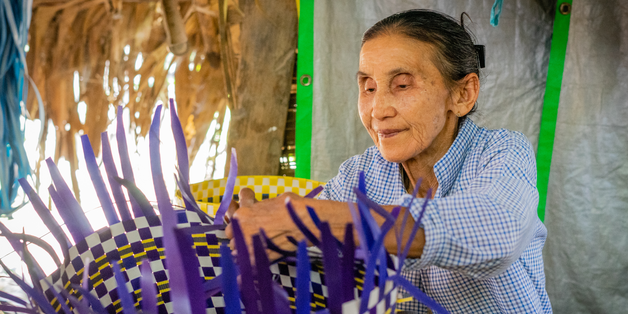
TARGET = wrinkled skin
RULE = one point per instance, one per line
(412, 116)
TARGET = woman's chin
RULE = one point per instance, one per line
(393, 155)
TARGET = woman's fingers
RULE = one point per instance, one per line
(233, 206)
(247, 197)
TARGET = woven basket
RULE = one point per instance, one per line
(140, 239)
(208, 194)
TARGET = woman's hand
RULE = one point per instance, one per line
(245, 194)
(271, 215)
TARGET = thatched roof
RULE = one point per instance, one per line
(90, 36)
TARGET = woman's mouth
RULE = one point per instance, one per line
(388, 133)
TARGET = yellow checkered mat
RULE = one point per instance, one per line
(208, 194)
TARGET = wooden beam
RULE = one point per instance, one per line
(268, 41)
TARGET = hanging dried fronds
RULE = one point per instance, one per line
(118, 51)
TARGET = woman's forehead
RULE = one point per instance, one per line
(393, 54)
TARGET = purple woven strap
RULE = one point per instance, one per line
(149, 291)
(125, 161)
(112, 173)
(71, 205)
(46, 217)
(178, 285)
(228, 196)
(247, 288)
(98, 182)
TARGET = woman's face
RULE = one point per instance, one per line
(403, 101)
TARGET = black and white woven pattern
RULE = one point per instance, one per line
(134, 241)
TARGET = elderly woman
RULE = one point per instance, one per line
(479, 248)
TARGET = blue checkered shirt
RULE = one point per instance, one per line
(483, 238)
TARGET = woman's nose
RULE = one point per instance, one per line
(383, 106)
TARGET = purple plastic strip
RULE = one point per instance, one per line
(228, 196)
(372, 205)
(292, 240)
(190, 203)
(183, 162)
(179, 141)
(196, 295)
(315, 192)
(415, 228)
(98, 182)
(112, 172)
(11, 297)
(264, 276)
(58, 296)
(407, 214)
(31, 292)
(212, 286)
(78, 306)
(369, 224)
(75, 231)
(10, 308)
(71, 205)
(95, 303)
(369, 276)
(357, 223)
(202, 229)
(128, 306)
(297, 221)
(40, 243)
(247, 287)
(13, 240)
(85, 281)
(125, 161)
(348, 257)
(418, 294)
(314, 216)
(333, 271)
(383, 273)
(317, 222)
(274, 247)
(146, 209)
(46, 217)
(303, 296)
(34, 270)
(370, 232)
(281, 299)
(178, 286)
(229, 282)
(149, 292)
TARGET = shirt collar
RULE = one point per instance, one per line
(448, 167)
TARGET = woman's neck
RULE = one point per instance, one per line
(422, 165)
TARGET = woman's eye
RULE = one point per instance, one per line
(370, 86)
(402, 81)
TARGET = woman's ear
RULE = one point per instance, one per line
(467, 93)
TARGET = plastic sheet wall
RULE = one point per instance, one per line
(513, 81)
(586, 255)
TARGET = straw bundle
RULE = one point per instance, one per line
(101, 40)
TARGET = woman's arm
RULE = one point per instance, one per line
(481, 230)
(273, 217)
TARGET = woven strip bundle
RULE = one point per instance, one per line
(177, 259)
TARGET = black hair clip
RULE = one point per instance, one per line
(479, 49)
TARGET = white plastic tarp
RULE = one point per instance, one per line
(586, 259)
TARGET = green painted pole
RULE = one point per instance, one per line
(305, 74)
(551, 100)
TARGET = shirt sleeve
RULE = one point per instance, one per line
(334, 188)
(482, 231)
